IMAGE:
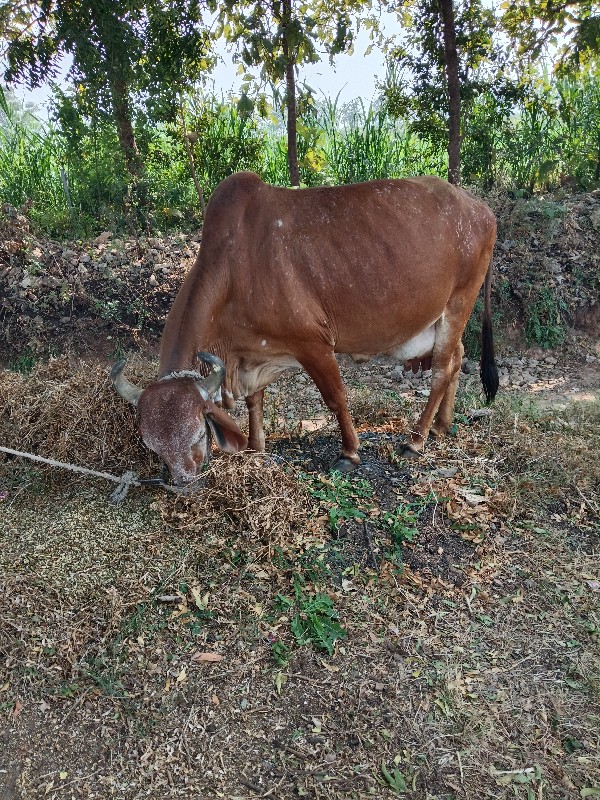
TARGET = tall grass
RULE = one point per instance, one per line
(72, 171)
(30, 159)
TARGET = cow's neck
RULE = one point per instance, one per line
(190, 326)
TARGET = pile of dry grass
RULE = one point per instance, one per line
(72, 414)
(248, 496)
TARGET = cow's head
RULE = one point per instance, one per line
(177, 415)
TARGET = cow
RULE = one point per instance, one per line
(288, 278)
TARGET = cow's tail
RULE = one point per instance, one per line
(487, 366)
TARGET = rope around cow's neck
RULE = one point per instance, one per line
(126, 480)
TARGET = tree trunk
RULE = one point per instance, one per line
(453, 89)
(117, 83)
(290, 97)
(122, 115)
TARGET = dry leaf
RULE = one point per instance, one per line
(207, 657)
(182, 676)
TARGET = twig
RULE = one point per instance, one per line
(288, 749)
(589, 503)
(245, 782)
(373, 560)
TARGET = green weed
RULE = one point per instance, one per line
(316, 622)
(544, 324)
(394, 779)
(344, 497)
(23, 363)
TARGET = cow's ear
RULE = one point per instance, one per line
(227, 435)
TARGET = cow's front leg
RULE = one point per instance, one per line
(323, 369)
(256, 431)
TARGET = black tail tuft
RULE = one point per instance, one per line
(487, 367)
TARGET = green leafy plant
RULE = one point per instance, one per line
(544, 324)
(394, 779)
(23, 363)
(401, 523)
(281, 653)
(344, 497)
(317, 622)
(315, 619)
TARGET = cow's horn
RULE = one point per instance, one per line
(123, 387)
(213, 381)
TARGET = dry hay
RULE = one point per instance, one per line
(249, 497)
(71, 414)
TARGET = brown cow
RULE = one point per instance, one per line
(288, 278)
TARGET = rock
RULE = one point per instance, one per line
(85, 258)
(511, 362)
(554, 267)
(595, 219)
(152, 281)
(469, 367)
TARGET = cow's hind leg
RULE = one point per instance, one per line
(256, 431)
(447, 356)
(323, 369)
(443, 418)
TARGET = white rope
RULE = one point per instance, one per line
(126, 480)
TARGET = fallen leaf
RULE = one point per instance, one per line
(207, 657)
(182, 676)
(472, 498)
(18, 707)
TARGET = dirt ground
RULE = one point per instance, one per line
(427, 628)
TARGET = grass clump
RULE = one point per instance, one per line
(544, 318)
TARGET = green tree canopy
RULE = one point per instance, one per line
(570, 26)
(118, 51)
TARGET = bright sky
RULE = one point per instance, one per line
(352, 76)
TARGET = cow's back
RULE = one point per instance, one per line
(364, 265)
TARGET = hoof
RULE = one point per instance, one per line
(437, 433)
(408, 451)
(343, 464)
